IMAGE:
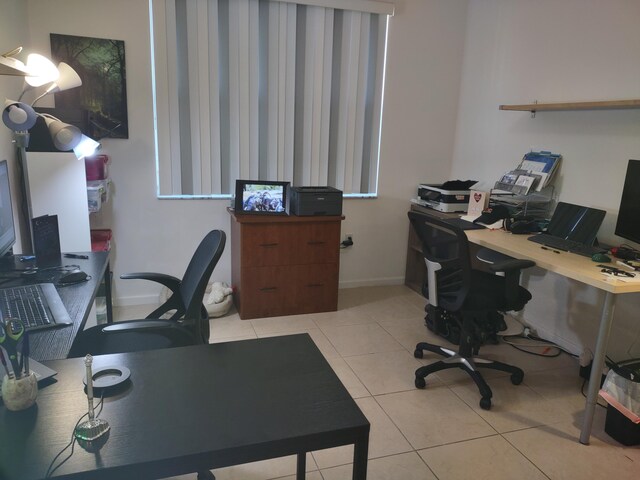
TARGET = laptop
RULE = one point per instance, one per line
(573, 228)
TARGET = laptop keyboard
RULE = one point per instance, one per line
(28, 304)
(566, 245)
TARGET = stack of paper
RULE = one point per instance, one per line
(534, 172)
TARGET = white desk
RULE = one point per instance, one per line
(577, 268)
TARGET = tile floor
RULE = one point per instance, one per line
(440, 432)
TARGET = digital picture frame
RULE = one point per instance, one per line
(262, 197)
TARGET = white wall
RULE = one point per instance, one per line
(518, 51)
(426, 39)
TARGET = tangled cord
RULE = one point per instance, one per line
(51, 469)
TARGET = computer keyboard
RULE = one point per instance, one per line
(566, 245)
(36, 306)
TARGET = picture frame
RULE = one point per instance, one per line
(262, 197)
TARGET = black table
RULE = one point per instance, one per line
(191, 409)
(55, 343)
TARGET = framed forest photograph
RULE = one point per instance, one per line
(101, 65)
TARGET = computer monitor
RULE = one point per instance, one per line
(576, 223)
(7, 230)
(628, 225)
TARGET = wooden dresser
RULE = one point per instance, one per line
(284, 265)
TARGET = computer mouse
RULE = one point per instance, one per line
(77, 276)
(600, 257)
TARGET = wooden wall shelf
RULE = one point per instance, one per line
(564, 106)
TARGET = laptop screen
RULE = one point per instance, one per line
(575, 222)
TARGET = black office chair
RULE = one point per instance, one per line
(454, 288)
(189, 325)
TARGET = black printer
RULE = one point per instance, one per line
(305, 201)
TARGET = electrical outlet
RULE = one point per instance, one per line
(348, 240)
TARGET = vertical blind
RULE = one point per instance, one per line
(269, 90)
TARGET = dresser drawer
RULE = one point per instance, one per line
(316, 243)
(316, 288)
(293, 244)
(264, 245)
(265, 291)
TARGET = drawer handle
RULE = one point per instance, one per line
(268, 289)
(315, 285)
(268, 244)
(316, 242)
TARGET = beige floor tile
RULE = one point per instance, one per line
(360, 339)
(555, 450)
(434, 416)
(232, 339)
(396, 308)
(287, 324)
(489, 458)
(514, 407)
(561, 383)
(319, 338)
(230, 326)
(309, 476)
(349, 379)
(340, 318)
(264, 470)
(384, 438)
(385, 372)
(405, 466)
(527, 362)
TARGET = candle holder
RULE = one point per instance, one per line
(93, 428)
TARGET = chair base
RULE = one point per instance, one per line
(469, 364)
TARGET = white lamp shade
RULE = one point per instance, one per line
(65, 137)
(86, 147)
(18, 116)
(41, 70)
(68, 78)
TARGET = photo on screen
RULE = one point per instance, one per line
(261, 197)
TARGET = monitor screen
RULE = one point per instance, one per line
(261, 196)
(575, 222)
(7, 231)
(628, 225)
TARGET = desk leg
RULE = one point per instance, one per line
(360, 453)
(302, 466)
(602, 341)
(107, 292)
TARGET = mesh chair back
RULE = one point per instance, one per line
(447, 246)
(196, 277)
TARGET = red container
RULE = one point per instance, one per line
(100, 240)
(96, 167)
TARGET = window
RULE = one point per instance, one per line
(267, 89)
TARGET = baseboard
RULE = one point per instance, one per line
(135, 300)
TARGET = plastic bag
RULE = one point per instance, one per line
(621, 389)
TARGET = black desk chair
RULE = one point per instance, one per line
(189, 325)
(469, 295)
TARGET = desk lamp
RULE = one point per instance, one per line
(20, 117)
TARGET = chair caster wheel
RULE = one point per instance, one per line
(516, 378)
(420, 382)
(206, 475)
(418, 353)
(485, 403)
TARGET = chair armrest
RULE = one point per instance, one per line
(511, 265)
(139, 325)
(168, 281)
